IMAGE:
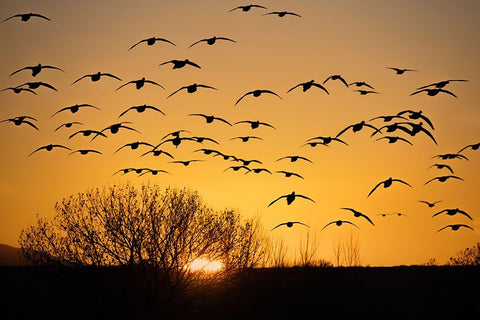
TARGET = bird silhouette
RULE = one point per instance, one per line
(202, 139)
(399, 70)
(290, 198)
(224, 156)
(307, 85)
(127, 170)
(452, 212)
(237, 168)
(49, 147)
(336, 77)
(294, 158)
(450, 156)
(387, 183)
(256, 124)
(247, 7)
(327, 140)
(361, 84)
(415, 115)
(365, 92)
(430, 204)
(209, 119)
(441, 166)
(85, 151)
(176, 141)
(208, 151)
(192, 88)
(177, 64)
(75, 108)
(156, 152)
(212, 40)
(246, 138)
(175, 133)
(443, 178)
(393, 139)
(37, 84)
(289, 174)
(151, 41)
(21, 120)
(154, 172)
(247, 162)
(359, 214)
(339, 223)
(289, 224)
(357, 127)
(313, 144)
(259, 170)
(388, 118)
(36, 69)
(433, 92)
(140, 83)
(141, 109)
(96, 76)
(257, 93)
(441, 84)
(134, 145)
(186, 162)
(282, 14)
(114, 128)
(455, 227)
(87, 133)
(18, 90)
(416, 128)
(471, 146)
(26, 16)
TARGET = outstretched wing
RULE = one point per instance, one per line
(136, 44)
(398, 180)
(378, 184)
(243, 97)
(171, 94)
(197, 42)
(320, 86)
(87, 75)
(304, 197)
(276, 200)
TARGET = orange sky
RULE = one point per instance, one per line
(357, 40)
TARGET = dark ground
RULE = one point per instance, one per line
(414, 292)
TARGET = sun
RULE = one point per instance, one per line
(205, 265)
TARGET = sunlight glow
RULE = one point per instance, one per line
(205, 265)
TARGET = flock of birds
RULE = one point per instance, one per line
(388, 125)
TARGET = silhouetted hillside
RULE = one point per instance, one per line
(9, 256)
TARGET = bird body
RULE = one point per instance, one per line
(140, 83)
(255, 124)
(444, 178)
(212, 40)
(257, 93)
(96, 77)
(289, 224)
(307, 85)
(141, 109)
(452, 212)
(192, 88)
(338, 223)
(36, 69)
(26, 16)
(387, 183)
(359, 214)
(151, 41)
(290, 198)
(455, 227)
(178, 64)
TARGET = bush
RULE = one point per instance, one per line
(467, 257)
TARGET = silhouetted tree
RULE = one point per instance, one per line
(467, 257)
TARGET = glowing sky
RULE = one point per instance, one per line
(355, 39)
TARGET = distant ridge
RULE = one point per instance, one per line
(9, 256)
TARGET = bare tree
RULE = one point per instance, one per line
(347, 251)
(467, 257)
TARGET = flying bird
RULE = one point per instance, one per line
(247, 162)
(156, 152)
(357, 127)
(141, 109)
(361, 84)
(176, 141)
(387, 183)
(255, 124)
(449, 156)
(21, 120)
(430, 204)
(114, 128)
(36, 69)
(212, 40)
(359, 214)
(127, 170)
(441, 84)
(85, 151)
(209, 119)
(140, 83)
(18, 90)
(289, 224)
(75, 108)
(246, 138)
(327, 140)
(399, 70)
(452, 212)
(289, 174)
(259, 170)
(87, 133)
(290, 198)
(415, 115)
(433, 92)
(339, 223)
(153, 171)
(175, 133)
(393, 139)
(307, 85)
(257, 93)
(177, 64)
(455, 227)
(49, 147)
(388, 118)
(236, 168)
(151, 41)
(202, 139)
(37, 84)
(192, 88)
(282, 14)
(443, 179)
(26, 16)
(471, 146)
(365, 92)
(295, 158)
(441, 166)
(336, 77)
(416, 128)
(185, 163)
(134, 145)
(96, 76)
(247, 7)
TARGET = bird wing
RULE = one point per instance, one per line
(268, 125)
(427, 121)
(155, 83)
(271, 92)
(464, 225)
(193, 64)
(398, 180)
(11, 74)
(465, 214)
(137, 44)
(31, 124)
(52, 67)
(327, 79)
(303, 158)
(403, 139)
(281, 224)
(121, 114)
(123, 85)
(350, 126)
(243, 97)
(165, 40)
(378, 184)
(223, 120)
(110, 75)
(284, 196)
(428, 133)
(38, 149)
(448, 92)
(171, 94)
(197, 42)
(416, 92)
(63, 109)
(343, 80)
(205, 86)
(318, 85)
(156, 109)
(40, 16)
(368, 219)
(14, 16)
(443, 228)
(87, 75)
(228, 39)
(304, 197)
(60, 146)
(298, 85)
(428, 85)
(449, 168)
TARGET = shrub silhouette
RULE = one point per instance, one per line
(467, 257)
